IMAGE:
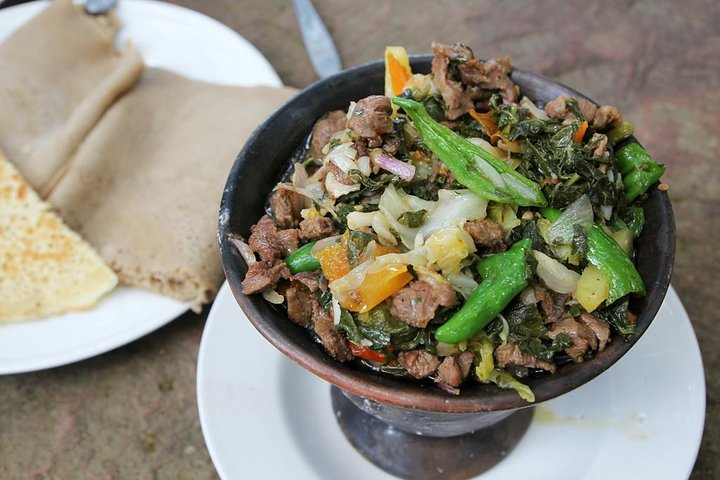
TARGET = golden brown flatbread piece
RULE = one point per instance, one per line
(45, 268)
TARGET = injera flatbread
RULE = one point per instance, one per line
(144, 187)
(58, 74)
(45, 268)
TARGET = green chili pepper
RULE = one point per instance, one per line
(503, 278)
(620, 132)
(610, 259)
(475, 168)
(302, 259)
(638, 169)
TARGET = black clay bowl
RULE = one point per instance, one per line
(257, 170)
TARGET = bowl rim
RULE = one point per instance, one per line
(415, 394)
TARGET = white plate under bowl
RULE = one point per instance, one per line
(185, 42)
(263, 416)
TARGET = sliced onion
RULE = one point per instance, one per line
(273, 297)
(404, 170)
(527, 296)
(324, 243)
(300, 176)
(580, 212)
(244, 249)
(505, 332)
(556, 276)
(532, 108)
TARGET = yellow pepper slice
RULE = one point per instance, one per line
(397, 70)
(334, 261)
(377, 286)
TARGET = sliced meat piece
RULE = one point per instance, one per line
(599, 117)
(324, 129)
(288, 240)
(486, 233)
(315, 228)
(270, 243)
(486, 78)
(299, 301)
(263, 240)
(510, 354)
(457, 101)
(583, 338)
(337, 345)
(263, 276)
(453, 371)
(311, 280)
(392, 145)
(552, 304)
(286, 206)
(465, 360)
(599, 327)
(558, 108)
(340, 176)
(416, 303)
(607, 116)
(448, 373)
(371, 118)
(419, 363)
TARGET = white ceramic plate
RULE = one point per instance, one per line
(263, 416)
(180, 40)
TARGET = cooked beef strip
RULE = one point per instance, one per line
(299, 301)
(340, 176)
(416, 303)
(599, 117)
(552, 304)
(454, 370)
(361, 145)
(315, 228)
(510, 354)
(269, 242)
(392, 145)
(418, 363)
(311, 280)
(448, 373)
(286, 206)
(607, 115)
(486, 233)
(486, 78)
(371, 119)
(477, 80)
(583, 338)
(457, 101)
(337, 345)
(599, 328)
(264, 275)
(324, 129)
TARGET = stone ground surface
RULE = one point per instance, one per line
(132, 413)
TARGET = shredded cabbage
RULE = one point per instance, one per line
(447, 249)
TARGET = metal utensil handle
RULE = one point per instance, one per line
(318, 42)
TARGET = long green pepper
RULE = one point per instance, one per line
(302, 259)
(504, 277)
(610, 259)
(638, 169)
(468, 161)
